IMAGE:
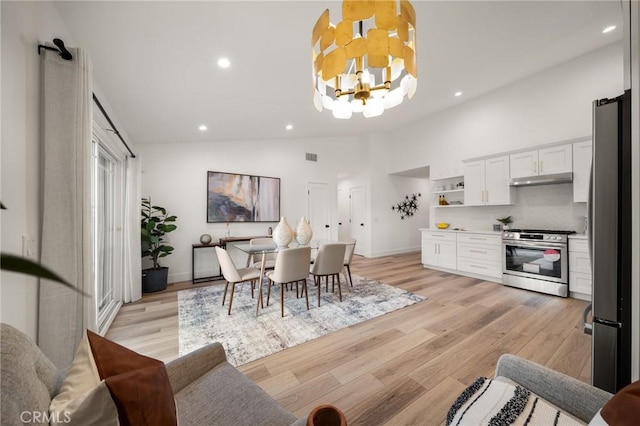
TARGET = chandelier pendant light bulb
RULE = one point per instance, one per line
(374, 38)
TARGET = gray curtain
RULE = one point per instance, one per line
(67, 246)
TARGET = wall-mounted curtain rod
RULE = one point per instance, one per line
(113, 127)
(66, 55)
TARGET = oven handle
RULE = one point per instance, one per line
(528, 244)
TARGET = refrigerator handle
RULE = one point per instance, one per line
(587, 327)
(589, 230)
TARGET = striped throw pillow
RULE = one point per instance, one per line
(491, 402)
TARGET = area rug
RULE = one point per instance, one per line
(245, 337)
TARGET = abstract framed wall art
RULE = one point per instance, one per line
(234, 197)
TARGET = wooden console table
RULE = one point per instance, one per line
(222, 243)
(195, 247)
(226, 240)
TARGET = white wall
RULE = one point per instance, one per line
(175, 176)
(24, 26)
(390, 234)
(550, 106)
(386, 233)
(632, 71)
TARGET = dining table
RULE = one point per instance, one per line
(265, 249)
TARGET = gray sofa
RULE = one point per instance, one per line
(573, 396)
(208, 390)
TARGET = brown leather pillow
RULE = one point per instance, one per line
(624, 408)
(139, 385)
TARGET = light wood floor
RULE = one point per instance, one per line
(402, 368)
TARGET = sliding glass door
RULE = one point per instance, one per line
(107, 209)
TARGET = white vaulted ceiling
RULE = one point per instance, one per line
(156, 61)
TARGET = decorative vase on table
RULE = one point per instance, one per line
(283, 234)
(304, 233)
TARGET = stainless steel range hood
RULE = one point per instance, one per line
(542, 180)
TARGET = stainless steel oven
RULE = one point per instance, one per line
(536, 260)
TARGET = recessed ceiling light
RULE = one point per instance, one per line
(288, 127)
(457, 94)
(202, 128)
(609, 29)
(224, 63)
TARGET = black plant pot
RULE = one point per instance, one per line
(154, 279)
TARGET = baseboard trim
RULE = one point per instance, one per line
(390, 252)
(464, 273)
(183, 276)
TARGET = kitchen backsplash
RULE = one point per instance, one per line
(537, 207)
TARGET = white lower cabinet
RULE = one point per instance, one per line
(579, 269)
(480, 254)
(439, 249)
(470, 254)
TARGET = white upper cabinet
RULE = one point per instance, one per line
(556, 159)
(474, 183)
(581, 170)
(486, 182)
(524, 164)
(544, 161)
(497, 186)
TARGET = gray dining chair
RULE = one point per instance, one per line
(233, 276)
(292, 266)
(329, 263)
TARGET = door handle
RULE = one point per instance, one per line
(339, 223)
(535, 167)
(326, 226)
(487, 200)
(362, 224)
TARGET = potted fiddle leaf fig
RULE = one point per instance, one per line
(154, 225)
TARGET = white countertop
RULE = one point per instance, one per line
(469, 231)
(578, 236)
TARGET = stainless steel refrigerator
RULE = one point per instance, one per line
(610, 242)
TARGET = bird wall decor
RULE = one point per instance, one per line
(408, 206)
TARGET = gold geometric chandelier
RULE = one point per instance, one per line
(374, 42)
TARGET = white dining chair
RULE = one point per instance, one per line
(233, 276)
(292, 266)
(348, 257)
(270, 260)
(329, 263)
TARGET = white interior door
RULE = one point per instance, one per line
(319, 210)
(344, 228)
(358, 215)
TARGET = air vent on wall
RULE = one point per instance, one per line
(311, 157)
